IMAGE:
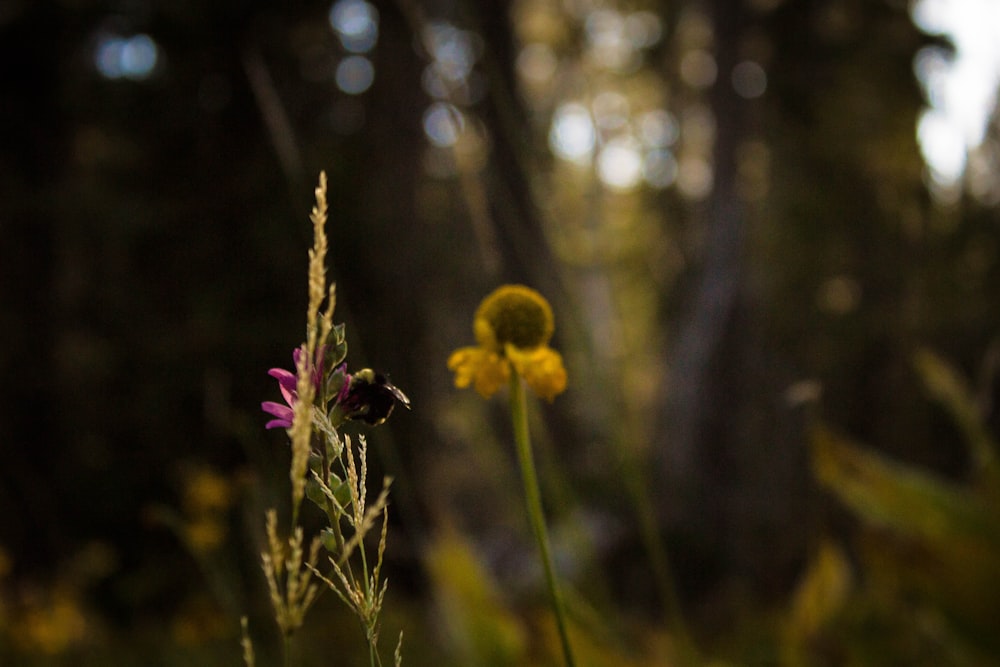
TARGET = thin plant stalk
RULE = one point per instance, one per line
(649, 530)
(533, 498)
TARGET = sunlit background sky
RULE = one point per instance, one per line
(628, 148)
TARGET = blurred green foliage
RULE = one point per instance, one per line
(927, 553)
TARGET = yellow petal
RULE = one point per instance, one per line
(541, 368)
(464, 362)
(485, 370)
(492, 375)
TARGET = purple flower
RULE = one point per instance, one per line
(288, 384)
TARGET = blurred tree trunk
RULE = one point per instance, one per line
(728, 469)
(844, 208)
(519, 229)
(699, 374)
(703, 330)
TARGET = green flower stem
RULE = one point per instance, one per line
(635, 483)
(533, 497)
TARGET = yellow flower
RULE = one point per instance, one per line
(513, 326)
(206, 492)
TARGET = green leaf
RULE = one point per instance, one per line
(315, 493)
(341, 492)
(946, 386)
(336, 347)
(819, 597)
(334, 383)
(892, 495)
(329, 540)
(932, 545)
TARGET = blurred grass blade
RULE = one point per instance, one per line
(480, 627)
(946, 386)
(819, 597)
(895, 496)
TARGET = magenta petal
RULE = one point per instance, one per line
(282, 412)
(290, 396)
(315, 368)
(286, 379)
(281, 374)
(288, 384)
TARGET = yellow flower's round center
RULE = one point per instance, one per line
(516, 315)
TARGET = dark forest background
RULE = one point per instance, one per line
(152, 269)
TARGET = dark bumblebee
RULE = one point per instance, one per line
(370, 397)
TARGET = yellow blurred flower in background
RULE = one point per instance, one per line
(207, 498)
(50, 622)
(513, 326)
(206, 491)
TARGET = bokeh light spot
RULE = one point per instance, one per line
(443, 124)
(659, 168)
(698, 68)
(356, 24)
(943, 145)
(931, 66)
(454, 51)
(619, 164)
(960, 85)
(433, 84)
(609, 46)
(611, 110)
(355, 75)
(749, 80)
(536, 63)
(694, 178)
(572, 135)
(643, 29)
(133, 57)
(658, 128)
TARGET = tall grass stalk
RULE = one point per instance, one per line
(320, 396)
